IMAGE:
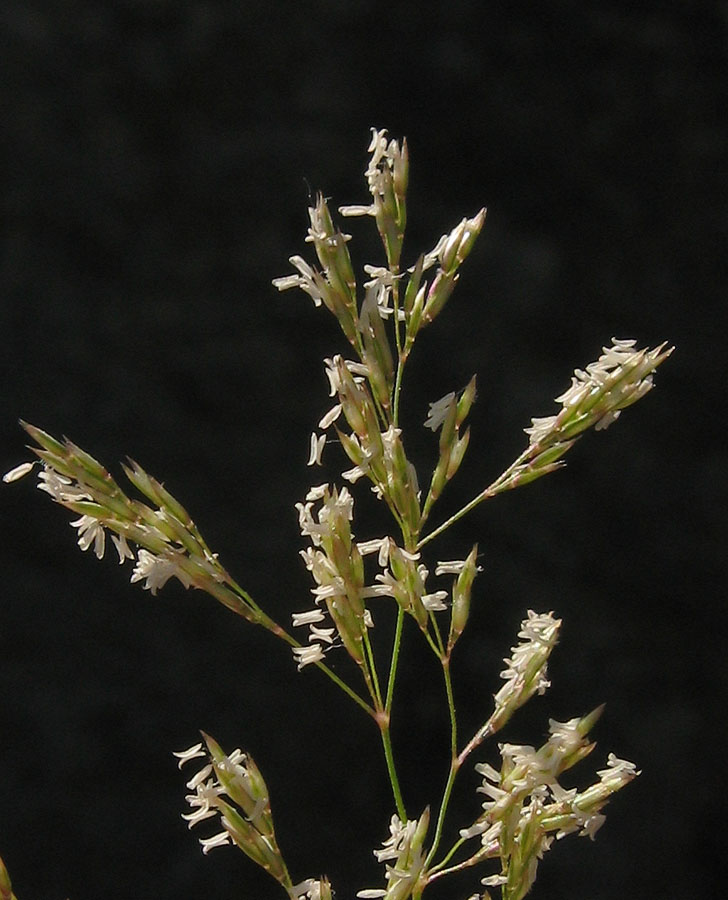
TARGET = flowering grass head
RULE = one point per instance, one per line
(355, 572)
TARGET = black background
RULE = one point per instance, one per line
(156, 162)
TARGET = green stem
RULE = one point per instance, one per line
(395, 659)
(381, 716)
(395, 306)
(433, 646)
(398, 388)
(454, 761)
(451, 706)
(446, 794)
(477, 739)
(280, 632)
(445, 860)
(500, 484)
(439, 871)
(456, 517)
(371, 676)
(346, 689)
(383, 721)
(427, 506)
(401, 355)
(248, 599)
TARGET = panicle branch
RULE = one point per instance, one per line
(367, 395)
(526, 809)
(620, 377)
(596, 397)
(230, 789)
(405, 847)
(161, 540)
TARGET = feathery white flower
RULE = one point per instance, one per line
(620, 377)
(193, 752)
(400, 836)
(591, 825)
(217, 840)
(493, 880)
(306, 280)
(230, 786)
(540, 428)
(59, 487)
(354, 474)
(320, 227)
(385, 155)
(354, 209)
(331, 416)
(200, 777)
(450, 567)
(334, 588)
(90, 531)
(310, 889)
(317, 446)
(316, 492)
(307, 618)
(618, 772)
(404, 846)
(156, 571)
(439, 410)
(122, 547)
(359, 371)
(306, 656)
(380, 275)
(380, 546)
(434, 602)
(433, 256)
(525, 672)
(18, 472)
(377, 590)
(323, 634)
(373, 546)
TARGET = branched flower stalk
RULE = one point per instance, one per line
(526, 809)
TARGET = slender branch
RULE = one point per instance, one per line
(402, 353)
(381, 715)
(398, 388)
(439, 871)
(383, 721)
(480, 735)
(454, 761)
(506, 481)
(432, 873)
(484, 495)
(346, 689)
(280, 632)
(451, 706)
(500, 484)
(371, 676)
(395, 659)
(395, 306)
(433, 646)
(452, 774)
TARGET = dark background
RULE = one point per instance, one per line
(156, 162)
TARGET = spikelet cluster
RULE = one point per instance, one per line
(526, 809)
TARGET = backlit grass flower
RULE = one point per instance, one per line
(524, 809)
(230, 789)
(596, 397)
(526, 669)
